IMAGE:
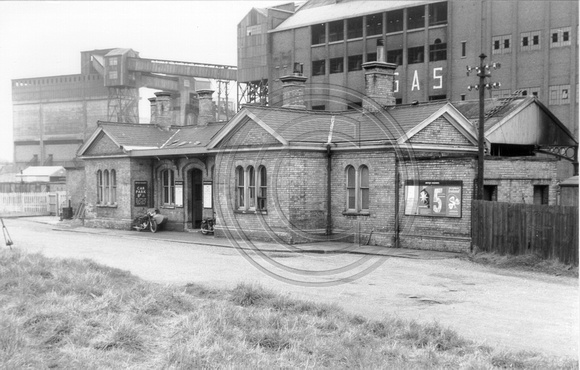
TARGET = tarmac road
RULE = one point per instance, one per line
(518, 311)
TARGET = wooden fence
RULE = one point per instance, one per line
(31, 204)
(513, 228)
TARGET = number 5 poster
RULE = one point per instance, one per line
(433, 198)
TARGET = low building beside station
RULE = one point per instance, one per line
(384, 174)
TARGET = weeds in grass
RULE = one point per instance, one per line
(78, 314)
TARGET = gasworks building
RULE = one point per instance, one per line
(431, 42)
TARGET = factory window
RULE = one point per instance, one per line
(437, 97)
(372, 57)
(318, 32)
(463, 49)
(415, 17)
(354, 27)
(559, 94)
(318, 67)
(501, 44)
(541, 193)
(113, 75)
(530, 40)
(113, 61)
(437, 14)
(438, 51)
(335, 31)
(560, 37)
(336, 65)
(395, 21)
(462, 97)
(374, 24)
(398, 101)
(534, 91)
(416, 54)
(357, 189)
(355, 62)
(168, 187)
(395, 56)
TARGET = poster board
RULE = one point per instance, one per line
(179, 193)
(433, 198)
(207, 195)
(141, 194)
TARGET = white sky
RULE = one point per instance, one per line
(45, 38)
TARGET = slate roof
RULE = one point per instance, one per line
(147, 137)
(303, 126)
(470, 109)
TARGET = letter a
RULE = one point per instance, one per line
(415, 82)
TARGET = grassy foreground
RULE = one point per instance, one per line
(78, 314)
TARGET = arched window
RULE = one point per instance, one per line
(262, 188)
(251, 187)
(350, 188)
(168, 186)
(357, 189)
(113, 187)
(364, 188)
(106, 187)
(99, 187)
(240, 203)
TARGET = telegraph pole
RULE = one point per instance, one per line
(483, 71)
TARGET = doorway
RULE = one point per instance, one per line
(196, 197)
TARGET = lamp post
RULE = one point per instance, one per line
(483, 71)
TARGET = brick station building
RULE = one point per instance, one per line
(385, 174)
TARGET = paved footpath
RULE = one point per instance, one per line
(514, 310)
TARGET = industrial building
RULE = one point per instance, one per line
(52, 116)
(390, 175)
(431, 42)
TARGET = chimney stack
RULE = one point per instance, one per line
(205, 107)
(163, 116)
(379, 81)
(293, 88)
(153, 102)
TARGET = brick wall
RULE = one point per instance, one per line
(438, 233)
(440, 131)
(515, 177)
(295, 200)
(381, 218)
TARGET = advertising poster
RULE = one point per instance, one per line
(207, 195)
(433, 198)
(141, 195)
(179, 193)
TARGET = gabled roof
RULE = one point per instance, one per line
(143, 139)
(299, 127)
(522, 120)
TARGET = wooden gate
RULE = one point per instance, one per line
(513, 228)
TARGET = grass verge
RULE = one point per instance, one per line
(527, 262)
(78, 314)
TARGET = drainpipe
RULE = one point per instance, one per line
(328, 179)
(328, 190)
(396, 202)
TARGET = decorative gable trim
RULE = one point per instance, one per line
(239, 118)
(455, 118)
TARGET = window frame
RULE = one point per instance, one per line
(357, 189)
(437, 51)
(355, 62)
(318, 34)
(100, 187)
(419, 51)
(319, 67)
(251, 189)
(106, 187)
(262, 188)
(167, 187)
(336, 65)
